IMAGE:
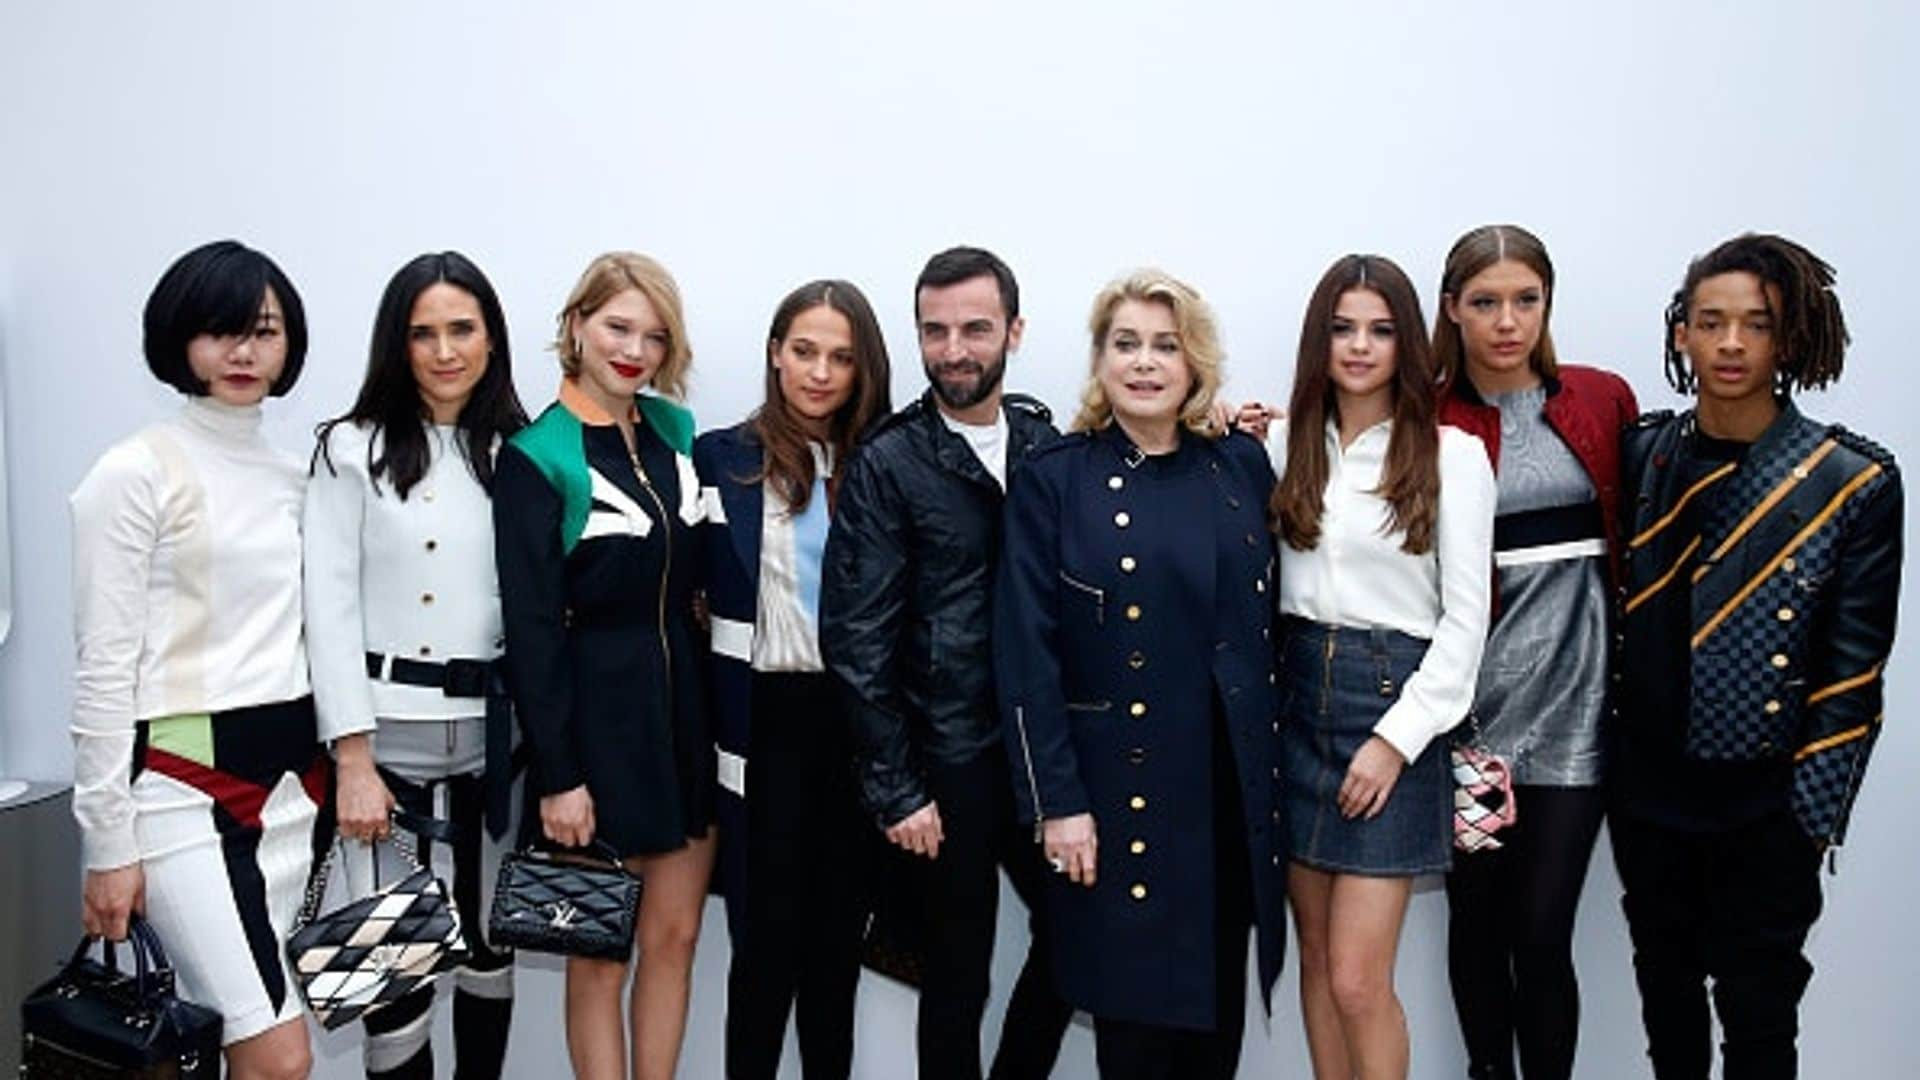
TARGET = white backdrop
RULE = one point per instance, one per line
(753, 146)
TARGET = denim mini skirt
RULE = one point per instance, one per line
(1335, 683)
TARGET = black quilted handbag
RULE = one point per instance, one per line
(577, 903)
(94, 1021)
(357, 958)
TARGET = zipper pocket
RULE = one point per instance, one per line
(1033, 785)
(1099, 598)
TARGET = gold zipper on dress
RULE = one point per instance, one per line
(666, 568)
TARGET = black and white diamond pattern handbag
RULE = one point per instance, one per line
(374, 950)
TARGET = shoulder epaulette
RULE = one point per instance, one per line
(1054, 446)
(1028, 404)
(1863, 446)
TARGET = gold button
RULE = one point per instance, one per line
(1138, 892)
(1771, 707)
(1786, 614)
(426, 650)
(1115, 483)
(1779, 660)
(426, 598)
(1138, 708)
(1133, 612)
(1138, 802)
(1788, 564)
(1138, 847)
(1122, 519)
(1127, 564)
(433, 545)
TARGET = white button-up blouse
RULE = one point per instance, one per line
(1358, 575)
(409, 578)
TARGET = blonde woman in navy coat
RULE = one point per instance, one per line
(1135, 676)
(790, 822)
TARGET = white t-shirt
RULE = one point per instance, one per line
(989, 442)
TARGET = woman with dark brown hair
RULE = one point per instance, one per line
(1552, 431)
(793, 836)
(1386, 523)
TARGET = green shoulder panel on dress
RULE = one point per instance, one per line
(671, 419)
(553, 443)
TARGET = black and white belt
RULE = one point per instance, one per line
(457, 678)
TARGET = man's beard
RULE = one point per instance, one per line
(962, 384)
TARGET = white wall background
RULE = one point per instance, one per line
(753, 146)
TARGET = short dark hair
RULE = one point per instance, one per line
(958, 264)
(1810, 329)
(217, 289)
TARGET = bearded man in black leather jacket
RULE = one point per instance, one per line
(1762, 572)
(905, 615)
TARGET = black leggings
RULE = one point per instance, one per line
(1510, 935)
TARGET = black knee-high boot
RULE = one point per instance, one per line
(479, 1035)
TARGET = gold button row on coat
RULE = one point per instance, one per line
(1138, 892)
(1138, 847)
(1122, 519)
(1127, 564)
(1116, 482)
(1138, 708)
(1786, 614)
(1138, 802)
(1133, 612)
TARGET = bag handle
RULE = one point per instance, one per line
(599, 850)
(418, 826)
(151, 965)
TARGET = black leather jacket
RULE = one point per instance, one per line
(1791, 584)
(906, 603)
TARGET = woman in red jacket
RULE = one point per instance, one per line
(1552, 432)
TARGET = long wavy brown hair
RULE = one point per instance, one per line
(789, 463)
(1410, 480)
(1476, 250)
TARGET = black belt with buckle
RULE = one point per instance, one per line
(467, 679)
(454, 678)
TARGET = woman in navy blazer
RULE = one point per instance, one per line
(789, 821)
(1135, 674)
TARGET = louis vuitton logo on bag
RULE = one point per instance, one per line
(564, 915)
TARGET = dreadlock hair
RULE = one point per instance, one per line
(1810, 329)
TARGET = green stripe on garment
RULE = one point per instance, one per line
(189, 736)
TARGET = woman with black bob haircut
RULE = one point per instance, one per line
(403, 623)
(790, 822)
(198, 778)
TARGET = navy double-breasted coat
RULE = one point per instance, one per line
(1133, 615)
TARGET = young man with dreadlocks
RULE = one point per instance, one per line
(1762, 572)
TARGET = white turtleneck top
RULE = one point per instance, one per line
(186, 596)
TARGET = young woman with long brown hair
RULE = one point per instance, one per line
(793, 839)
(1552, 431)
(1386, 528)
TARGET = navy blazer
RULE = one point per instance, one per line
(1131, 639)
(726, 460)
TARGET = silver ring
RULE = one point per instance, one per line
(1059, 865)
